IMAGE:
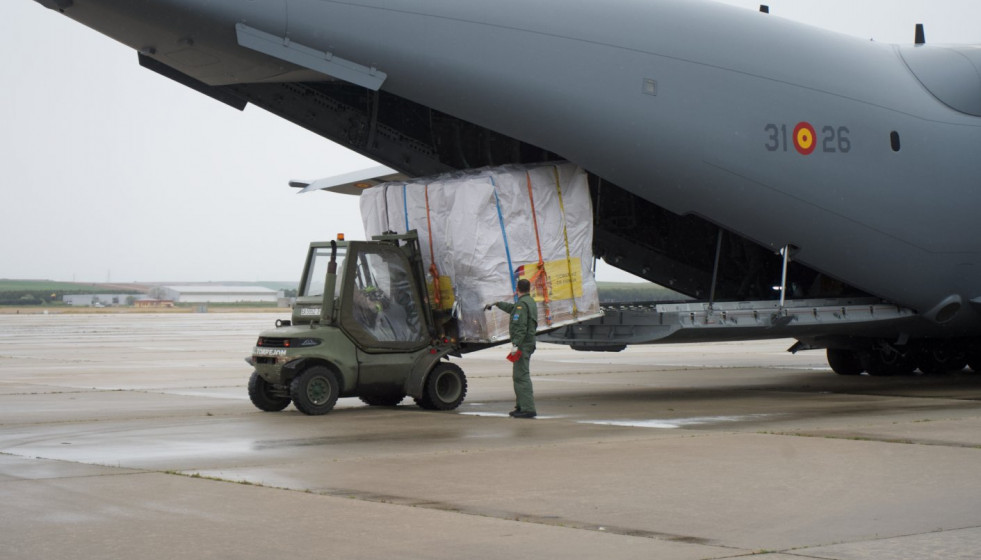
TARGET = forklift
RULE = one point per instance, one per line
(362, 325)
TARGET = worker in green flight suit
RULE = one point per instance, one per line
(521, 328)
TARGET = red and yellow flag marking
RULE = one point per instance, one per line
(805, 138)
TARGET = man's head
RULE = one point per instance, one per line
(524, 286)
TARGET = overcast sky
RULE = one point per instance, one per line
(111, 172)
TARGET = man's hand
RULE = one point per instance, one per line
(488, 307)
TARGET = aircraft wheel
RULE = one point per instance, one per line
(315, 391)
(446, 386)
(974, 360)
(844, 361)
(888, 362)
(265, 396)
(939, 360)
(391, 398)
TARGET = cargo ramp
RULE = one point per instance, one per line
(806, 320)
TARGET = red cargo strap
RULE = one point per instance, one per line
(432, 255)
(540, 278)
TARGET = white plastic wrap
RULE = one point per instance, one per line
(483, 234)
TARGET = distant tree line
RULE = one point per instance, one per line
(40, 297)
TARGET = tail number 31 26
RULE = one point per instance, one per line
(804, 138)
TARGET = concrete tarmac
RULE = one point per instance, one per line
(132, 436)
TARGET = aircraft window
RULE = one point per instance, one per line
(894, 139)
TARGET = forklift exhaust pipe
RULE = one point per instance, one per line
(330, 283)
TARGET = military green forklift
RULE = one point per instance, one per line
(362, 325)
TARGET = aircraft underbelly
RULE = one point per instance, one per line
(196, 38)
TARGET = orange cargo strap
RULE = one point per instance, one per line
(432, 255)
(540, 278)
(568, 253)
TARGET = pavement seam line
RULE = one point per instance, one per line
(490, 513)
(859, 437)
(881, 539)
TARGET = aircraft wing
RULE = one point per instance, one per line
(352, 183)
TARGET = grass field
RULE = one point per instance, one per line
(45, 286)
(47, 292)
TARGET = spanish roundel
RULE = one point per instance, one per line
(805, 139)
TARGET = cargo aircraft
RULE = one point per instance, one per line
(791, 180)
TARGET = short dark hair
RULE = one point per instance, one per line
(524, 286)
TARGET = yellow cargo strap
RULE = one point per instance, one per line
(565, 234)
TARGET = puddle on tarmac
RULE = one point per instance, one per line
(671, 423)
(128, 452)
(507, 415)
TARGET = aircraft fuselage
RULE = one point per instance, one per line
(786, 134)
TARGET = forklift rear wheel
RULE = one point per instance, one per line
(446, 386)
(263, 395)
(315, 391)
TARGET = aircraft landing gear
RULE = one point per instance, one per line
(974, 361)
(887, 360)
(940, 359)
(844, 361)
(882, 358)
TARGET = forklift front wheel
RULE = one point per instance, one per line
(264, 396)
(446, 386)
(315, 391)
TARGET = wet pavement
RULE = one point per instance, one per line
(126, 436)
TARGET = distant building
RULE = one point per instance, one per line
(100, 300)
(153, 303)
(216, 293)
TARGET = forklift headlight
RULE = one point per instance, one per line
(288, 342)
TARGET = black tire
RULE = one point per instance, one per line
(974, 362)
(445, 389)
(940, 360)
(888, 362)
(844, 361)
(265, 396)
(315, 391)
(392, 398)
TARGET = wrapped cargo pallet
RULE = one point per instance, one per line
(481, 230)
